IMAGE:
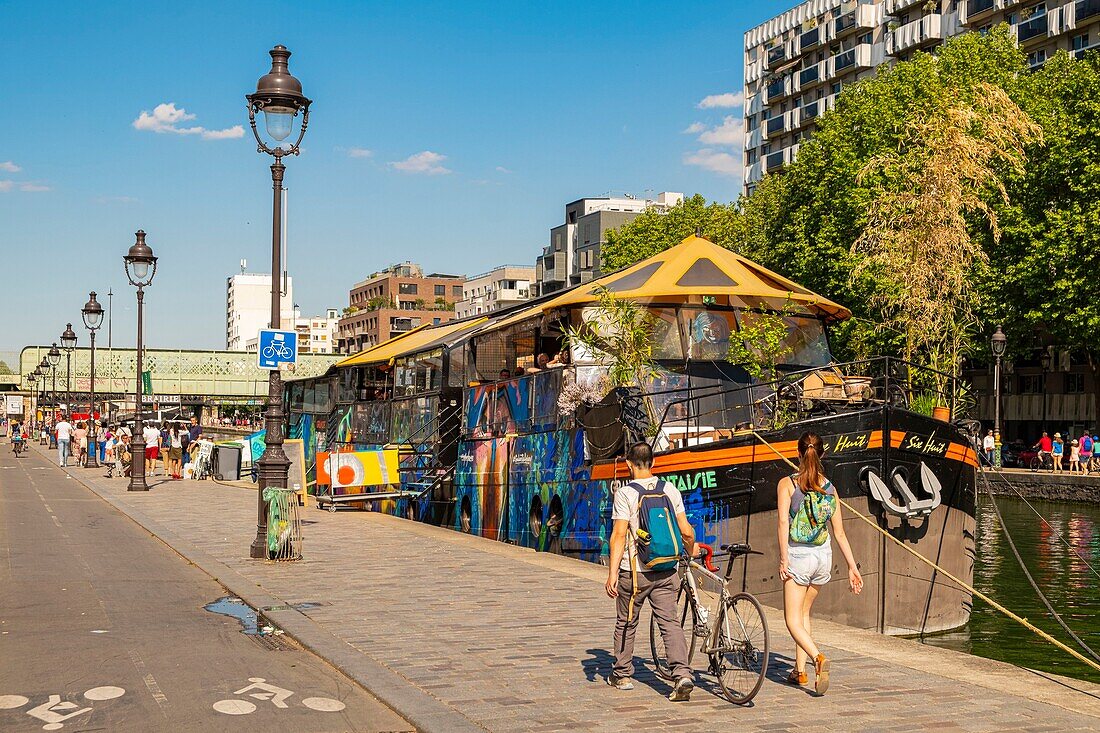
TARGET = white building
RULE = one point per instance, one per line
(573, 256)
(499, 288)
(799, 61)
(317, 334)
(248, 308)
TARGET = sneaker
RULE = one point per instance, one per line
(821, 667)
(620, 683)
(682, 691)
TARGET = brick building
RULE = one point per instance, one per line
(397, 299)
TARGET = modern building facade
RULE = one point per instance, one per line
(397, 299)
(798, 62)
(499, 288)
(316, 335)
(573, 255)
(248, 307)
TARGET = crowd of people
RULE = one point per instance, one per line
(1073, 455)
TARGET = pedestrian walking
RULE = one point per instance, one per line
(64, 432)
(175, 453)
(989, 445)
(1075, 456)
(808, 511)
(631, 584)
(80, 435)
(1057, 450)
(152, 447)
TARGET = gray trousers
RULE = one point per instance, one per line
(660, 589)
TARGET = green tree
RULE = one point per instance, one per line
(653, 231)
(619, 332)
(760, 344)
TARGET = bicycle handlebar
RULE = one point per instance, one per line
(708, 553)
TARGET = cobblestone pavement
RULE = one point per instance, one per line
(520, 641)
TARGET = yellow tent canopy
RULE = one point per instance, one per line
(694, 268)
(409, 342)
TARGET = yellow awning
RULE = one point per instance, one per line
(694, 268)
(408, 343)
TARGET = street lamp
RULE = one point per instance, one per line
(279, 97)
(33, 377)
(997, 343)
(68, 343)
(141, 266)
(54, 357)
(93, 319)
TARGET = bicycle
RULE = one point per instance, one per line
(735, 640)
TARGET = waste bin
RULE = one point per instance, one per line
(284, 527)
(227, 462)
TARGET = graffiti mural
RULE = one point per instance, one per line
(539, 471)
(481, 480)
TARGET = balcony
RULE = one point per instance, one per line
(776, 125)
(854, 58)
(776, 56)
(975, 8)
(775, 161)
(1033, 28)
(1086, 9)
(915, 34)
(809, 76)
(810, 112)
(896, 7)
(809, 39)
(1081, 52)
(754, 172)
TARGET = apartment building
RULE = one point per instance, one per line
(399, 298)
(248, 307)
(798, 62)
(573, 255)
(500, 288)
(316, 335)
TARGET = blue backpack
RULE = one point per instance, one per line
(658, 544)
(1086, 444)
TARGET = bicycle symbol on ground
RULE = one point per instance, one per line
(277, 696)
(55, 711)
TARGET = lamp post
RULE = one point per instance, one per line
(33, 377)
(141, 266)
(42, 370)
(998, 342)
(54, 357)
(68, 343)
(279, 97)
(93, 319)
(1044, 363)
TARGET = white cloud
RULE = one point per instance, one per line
(33, 187)
(694, 128)
(425, 162)
(731, 132)
(502, 169)
(6, 186)
(715, 161)
(8, 167)
(728, 99)
(360, 153)
(166, 117)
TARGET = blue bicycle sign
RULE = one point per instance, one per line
(276, 348)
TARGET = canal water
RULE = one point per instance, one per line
(1070, 585)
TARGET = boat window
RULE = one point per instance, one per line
(456, 374)
(806, 336)
(666, 335)
(708, 332)
(411, 418)
(418, 374)
(294, 397)
(370, 422)
(318, 396)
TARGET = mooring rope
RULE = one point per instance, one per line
(1051, 527)
(966, 586)
(1027, 573)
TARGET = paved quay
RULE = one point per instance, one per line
(459, 633)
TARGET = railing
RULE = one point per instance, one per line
(693, 415)
(526, 404)
(810, 39)
(1086, 9)
(810, 75)
(774, 161)
(843, 23)
(979, 6)
(776, 124)
(776, 88)
(776, 56)
(1032, 28)
(811, 110)
(844, 60)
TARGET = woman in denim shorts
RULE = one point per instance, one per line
(808, 510)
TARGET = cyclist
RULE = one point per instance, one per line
(15, 430)
(1045, 446)
(630, 587)
(807, 510)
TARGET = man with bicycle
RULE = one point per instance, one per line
(631, 585)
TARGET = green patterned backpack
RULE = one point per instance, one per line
(810, 514)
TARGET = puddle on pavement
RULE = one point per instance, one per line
(252, 623)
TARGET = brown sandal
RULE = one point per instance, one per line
(821, 667)
(796, 678)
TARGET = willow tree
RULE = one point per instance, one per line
(928, 195)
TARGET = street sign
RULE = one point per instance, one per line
(164, 399)
(277, 347)
(147, 382)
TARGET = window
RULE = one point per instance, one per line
(440, 289)
(435, 321)
(1031, 384)
(837, 86)
(865, 38)
(1081, 41)
(456, 291)
(407, 288)
(1075, 383)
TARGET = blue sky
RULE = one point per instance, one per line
(447, 133)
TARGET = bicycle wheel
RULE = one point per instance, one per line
(1034, 465)
(741, 660)
(685, 616)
